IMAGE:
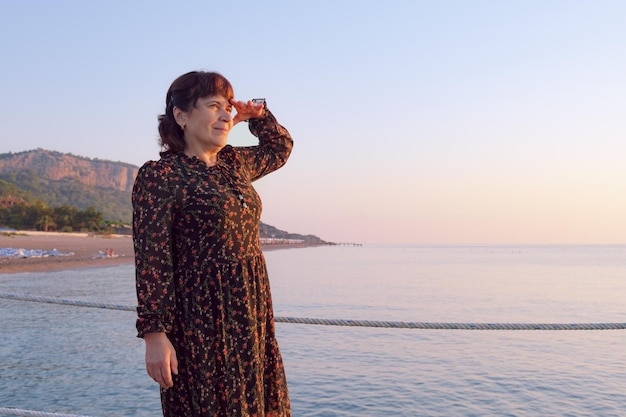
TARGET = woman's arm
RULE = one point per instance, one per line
(275, 143)
(273, 150)
(153, 204)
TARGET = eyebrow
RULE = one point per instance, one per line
(218, 101)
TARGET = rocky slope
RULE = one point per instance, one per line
(56, 166)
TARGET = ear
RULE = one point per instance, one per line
(179, 116)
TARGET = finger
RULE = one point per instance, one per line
(174, 364)
(166, 376)
(245, 104)
(256, 107)
(161, 375)
(238, 104)
(155, 374)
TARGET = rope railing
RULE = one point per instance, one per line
(4, 411)
(353, 323)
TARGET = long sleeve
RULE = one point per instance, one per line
(273, 150)
(153, 204)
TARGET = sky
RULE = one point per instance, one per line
(414, 122)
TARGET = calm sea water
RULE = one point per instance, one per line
(88, 361)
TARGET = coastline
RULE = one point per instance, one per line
(88, 251)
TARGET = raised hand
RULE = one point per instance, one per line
(246, 110)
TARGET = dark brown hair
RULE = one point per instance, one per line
(184, 94)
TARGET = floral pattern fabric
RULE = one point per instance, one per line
(201, 277)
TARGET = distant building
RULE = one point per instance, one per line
(10, 201)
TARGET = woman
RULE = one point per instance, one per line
(204, 303)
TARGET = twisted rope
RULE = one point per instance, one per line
(355, 323)
(63, 301)
(30, 413)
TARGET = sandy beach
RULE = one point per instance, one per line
(88, 251)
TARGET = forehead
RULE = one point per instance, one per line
(214, 99)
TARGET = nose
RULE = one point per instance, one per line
(226, 116)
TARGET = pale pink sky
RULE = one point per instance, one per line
(416, 122)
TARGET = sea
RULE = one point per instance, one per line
(89, 362)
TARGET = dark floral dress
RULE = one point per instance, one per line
(201, 277)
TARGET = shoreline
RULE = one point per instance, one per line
(88, 251)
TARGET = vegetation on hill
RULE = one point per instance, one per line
(20, 210)
(113, 204)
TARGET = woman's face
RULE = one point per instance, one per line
(208, 123)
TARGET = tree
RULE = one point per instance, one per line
(89, 219)
(45, 223)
